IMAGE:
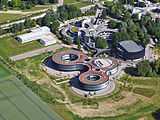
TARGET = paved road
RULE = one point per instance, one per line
(36, 52)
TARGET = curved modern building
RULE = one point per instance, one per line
(70, 60)
(93, 80)
(94, 74)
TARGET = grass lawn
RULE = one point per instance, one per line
(5, 17)
(70, 1)
(9, 47)
(73, 97)
(144, 91)
(31, 66)
(62, 110)
(77, 3)
(142, 81)
(4, 72)
(82, 4)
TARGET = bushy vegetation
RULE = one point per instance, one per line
(67, 12)
(101, 43)
(44, 95)
(145, 69)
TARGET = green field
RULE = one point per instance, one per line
(3, 72)
(37, 8)
(82, 4)
(70, 1)
(5, 17)
(17, 102)
(77, 3)
(9, 46)
(144, 91)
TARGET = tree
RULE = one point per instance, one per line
(144, 68)
(119, 36)
(157, 66)
(4, 4)
(66, 12)
(126, 80)
(78, 42)
(54, 26)
(112, 24)
(101, 43)
(16, 3)
(68, 41)
(29, 23)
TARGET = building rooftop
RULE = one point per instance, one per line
(130, 46)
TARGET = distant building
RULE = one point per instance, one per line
(92, 1)
(60, 2)
(43, 34)
(130, 50)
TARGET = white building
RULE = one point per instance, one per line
(60, 2)
(42, 33)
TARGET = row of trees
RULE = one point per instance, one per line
(19, 27)
(152, 26)
(67, 12)
(131, 30)
(101, 43)
(52, 20)
(146, 69)
(22, 4)
(114, 9)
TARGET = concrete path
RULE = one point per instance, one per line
(36, 52)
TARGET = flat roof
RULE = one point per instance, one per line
(130, 46)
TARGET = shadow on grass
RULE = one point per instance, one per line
(156, 114)
(131, 71)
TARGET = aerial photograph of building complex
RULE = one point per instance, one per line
(79, 59)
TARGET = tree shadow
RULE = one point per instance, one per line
(156, 114)
(131, 71)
